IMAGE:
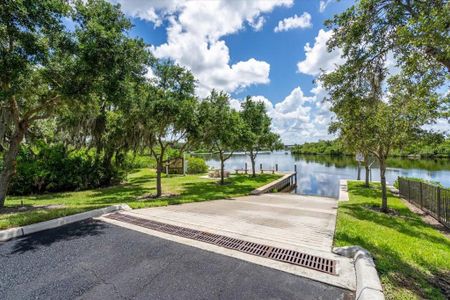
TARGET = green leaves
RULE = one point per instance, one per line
(69, 61)
(257, 134)
(221, 126)
(375, 110)
(416, 32)
(169, 105)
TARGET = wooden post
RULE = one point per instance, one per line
(438, 194)
(167, 170)
(260, 168)
(295, 169)
(245, 170)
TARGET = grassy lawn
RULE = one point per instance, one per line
(412, 258)
(190, 188)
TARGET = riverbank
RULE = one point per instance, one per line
(419, 150)
(412, 258)
(408, 156)
(136, 192)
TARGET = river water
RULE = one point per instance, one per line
(320, 175)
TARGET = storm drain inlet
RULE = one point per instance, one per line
(314, 262)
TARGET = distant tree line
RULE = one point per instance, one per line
(72, 77)
(432, 147)
(333, 148)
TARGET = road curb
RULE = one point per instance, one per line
(343, 190)
(368, 285)
(16, 232)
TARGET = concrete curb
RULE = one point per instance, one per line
(343, 190)
(368, 285)
(271, 185)
(28, 229)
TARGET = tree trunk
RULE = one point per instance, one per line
(107, 165)
(159, 157)
(9, 163)
(159, 169)
(384, 207)
(366, 166)
(222, 169)
(252, 159)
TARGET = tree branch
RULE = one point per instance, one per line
(32, 114)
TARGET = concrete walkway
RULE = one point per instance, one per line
(302, 223)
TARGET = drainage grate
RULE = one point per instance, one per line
(256, 249)
(229, 242)
(285, 255)
(188, 233)
(167, 228)
(207, 237)
(303, 259)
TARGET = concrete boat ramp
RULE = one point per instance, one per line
(303, 224)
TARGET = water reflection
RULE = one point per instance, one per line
(320, 175)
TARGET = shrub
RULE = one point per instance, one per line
(196, 165)
(139, 161)
(53, 168)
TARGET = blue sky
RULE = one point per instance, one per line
(269, 49)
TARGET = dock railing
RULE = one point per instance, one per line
(431, 198)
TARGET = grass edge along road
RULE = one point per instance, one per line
(178, 189)
(411, 257)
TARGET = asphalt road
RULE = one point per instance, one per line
(96, 260)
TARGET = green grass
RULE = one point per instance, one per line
(411, 257)
(190, 188)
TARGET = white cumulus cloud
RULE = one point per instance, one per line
(323, 5)
(258, 23)
(297, 118)
(194, 33)
(303, 21)
(154, 10)
(318, 58)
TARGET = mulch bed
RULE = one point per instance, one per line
(427, 218)
(377, 208)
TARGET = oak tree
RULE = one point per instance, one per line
(257, 134)
(221, 127)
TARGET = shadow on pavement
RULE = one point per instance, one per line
(63, 233)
